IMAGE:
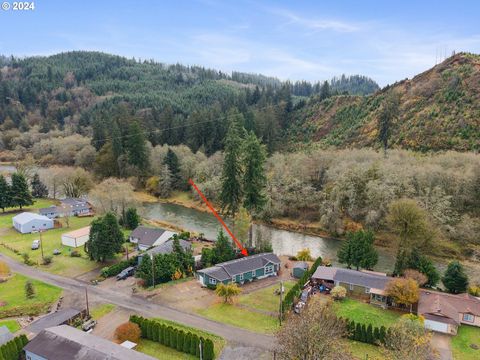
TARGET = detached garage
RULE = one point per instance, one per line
(76, 238)
(28, 222)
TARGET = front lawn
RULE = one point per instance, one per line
(466, 336)
(363, 351)
(12, 325)
(6, 218)
(62, 264)
(218, 342)
(241, 317)
(14, 303)
(364, 313)
(265, 299)
(160, 351)
(101, 310)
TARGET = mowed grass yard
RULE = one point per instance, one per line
(256, 311)
(11, 325)
(160, 351)
(13, 300)
(364, 313)
(62, 264)
(466, 336)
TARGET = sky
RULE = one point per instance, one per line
(295, 40)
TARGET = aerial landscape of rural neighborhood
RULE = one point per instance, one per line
(239, 180)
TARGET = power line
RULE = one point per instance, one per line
(226, 117)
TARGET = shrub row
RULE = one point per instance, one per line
(12, 349)
(297, 288)
(366, 333)
(180, 340)
(118, 267)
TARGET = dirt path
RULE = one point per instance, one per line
(107, 324)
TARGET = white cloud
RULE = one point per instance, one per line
(315, 23)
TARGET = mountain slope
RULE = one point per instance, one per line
(438, 109)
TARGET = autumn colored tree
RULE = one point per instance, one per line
(227, 292)
(128, 331)
(420, 278)
(304, 255)
(403, 291)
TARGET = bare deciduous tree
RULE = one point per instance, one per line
(314, 334)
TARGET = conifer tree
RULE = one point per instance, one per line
(370, 339)
(171, 160)
(5, 194)
(105, 239)
(455, 279)
(39, 190)
(254, 180)
(29, 290)
(231, 191)
(358, 250)
(137, 148)
(21, 195)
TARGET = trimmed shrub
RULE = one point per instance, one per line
(369, 335)
(208, 350)
(186, 343)
(128, 331)
(194, 344)
(180, 340)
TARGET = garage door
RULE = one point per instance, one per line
(436, 326)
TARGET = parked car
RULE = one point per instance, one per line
(36, 244)
(126, 273)
(89, 324)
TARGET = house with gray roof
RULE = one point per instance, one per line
(5, 335)
(241, 270)
(146, 237)
(367, 284)
(68, 207)
(57, 318)
(65, 342)
(165, 248)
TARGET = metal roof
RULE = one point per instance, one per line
(167, 247)
(78, 233)
(53, 319)
(300, 265)
(28, 216)
(65, 342)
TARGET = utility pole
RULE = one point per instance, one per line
(126, 247)
(86, 300)
(153, 271)
(41, 245)
(281, 302)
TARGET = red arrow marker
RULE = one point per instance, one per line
(238, 243)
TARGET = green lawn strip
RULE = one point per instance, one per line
(241, 317)
(169, 283)
(62, 264)
(16, 304)
(101, 310)
(363, 351)
(218, 341)
(12, 325)
(365, 313)
(466, 336)
(265, 299)
(160, 351)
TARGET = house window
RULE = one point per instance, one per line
(367, 290)
(351, 287)
(253, 274)
(269, 269)
(213, 281)
(233, 278)
(241, 277)
(468, 317)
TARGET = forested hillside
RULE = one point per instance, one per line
(92, 94)
(436, 110)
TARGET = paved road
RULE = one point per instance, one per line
(144, 307)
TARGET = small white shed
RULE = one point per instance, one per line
(76, 238)
(28, 222)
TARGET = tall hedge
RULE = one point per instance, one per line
(13, 349)
(172, 337)
(297, 288)
(366, 333)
